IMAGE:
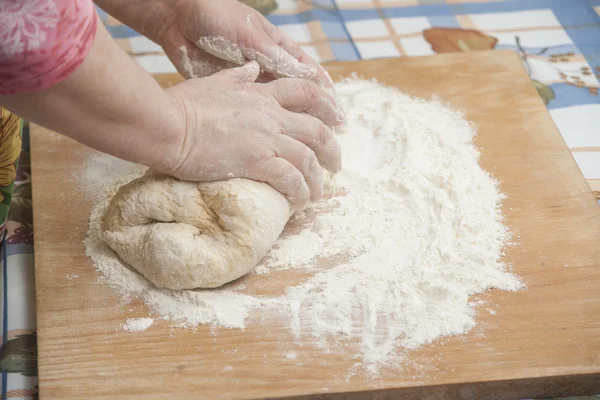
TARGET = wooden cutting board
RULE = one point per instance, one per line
(544, 341)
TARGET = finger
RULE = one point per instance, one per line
(305, 160)
(301, 95)
(285, 178)
(246, 73)
(222, 48)
(192, 62)
(318, 136)
(289, 45)
(280, 38)
(258, 45)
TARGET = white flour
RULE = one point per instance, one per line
(414, 228)
(137, 324)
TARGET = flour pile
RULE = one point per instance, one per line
(413, 228)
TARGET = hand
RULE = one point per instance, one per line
(276, 132)
(206, 36)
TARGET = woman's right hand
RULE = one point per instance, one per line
(279, 133)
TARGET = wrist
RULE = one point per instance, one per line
(166, 155)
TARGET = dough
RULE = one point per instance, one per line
(187, 235)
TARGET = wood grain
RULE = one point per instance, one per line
(544, 341)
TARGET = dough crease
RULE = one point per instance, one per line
(189, 235)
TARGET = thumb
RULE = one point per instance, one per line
(246, 73)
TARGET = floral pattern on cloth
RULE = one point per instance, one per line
(18, 354)
(449, 40)
(43, 41)
(19, 227)
(11, 128)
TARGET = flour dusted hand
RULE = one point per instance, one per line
(187, 235)
(279, 132)
(206, 36)
(202, 37)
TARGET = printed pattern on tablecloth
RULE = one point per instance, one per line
(18, 354)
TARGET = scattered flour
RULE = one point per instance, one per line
(137, 324)
(413, 229)
(102, 173)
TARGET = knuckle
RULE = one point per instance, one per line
(260, 158)
(268, 125)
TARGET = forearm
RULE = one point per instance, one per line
(151, 18)
(109, 103)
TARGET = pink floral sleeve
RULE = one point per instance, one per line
(43, 41)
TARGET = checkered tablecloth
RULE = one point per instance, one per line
(559, 41)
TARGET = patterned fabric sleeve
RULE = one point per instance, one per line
(43, 41)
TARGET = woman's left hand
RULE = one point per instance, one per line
(202, 37)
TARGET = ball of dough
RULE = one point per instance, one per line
(187, 235)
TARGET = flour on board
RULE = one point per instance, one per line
(413, 229)
(137, 324)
